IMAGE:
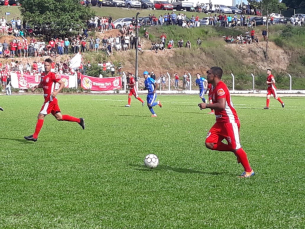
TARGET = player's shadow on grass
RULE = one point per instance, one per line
(18, 140)
(179, 170)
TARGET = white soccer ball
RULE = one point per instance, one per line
(151, 161)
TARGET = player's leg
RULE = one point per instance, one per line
(1, 109)
(150, 102)
(57, 114)
(201, 95)
(38, 127)
(129, 98)
(214, 139)
(268, 99)
(278, 98)
(234, 138)
(135, 94)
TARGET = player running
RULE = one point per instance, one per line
(271, 90)
(202, 83)
(133, 90)
(151, 86)
(47, 82)
(227, 122)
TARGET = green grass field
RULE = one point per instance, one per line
(95, 178)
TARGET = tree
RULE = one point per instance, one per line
(294, 3)
(272, 6)
(59, 17)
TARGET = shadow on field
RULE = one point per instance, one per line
(178, 170)
(18, 140)
(133, 115)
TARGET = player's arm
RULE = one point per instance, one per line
(219, 105)
(36, 86)
(271, 82)
(61, 86)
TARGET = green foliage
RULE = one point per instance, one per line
(57, 17)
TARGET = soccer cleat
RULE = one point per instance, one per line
(127, 105)
(30, 138)
(283, 105)
(143, 104)
(247, 174)
(266, 108)
(211, 112)
(159, 103)
(1, 109)
(82, 123)
(154, 115)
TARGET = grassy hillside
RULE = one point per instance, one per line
(240, 60)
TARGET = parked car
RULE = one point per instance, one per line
(145, 4)
(117, 3)
(224, 9)
(275, 15)
(235, 10)
(119, 23)
(133, 4)
(163, 5)
(205, 21)
(106, 3)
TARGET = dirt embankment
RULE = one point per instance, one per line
(181, 60)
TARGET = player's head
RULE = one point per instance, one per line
(214, 72)
(146, 74)
(48, 64)
(198, 75)
(269, 71)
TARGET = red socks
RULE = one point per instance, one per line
(129, 100)
(279, 99)
(267, 102)
(141, 100)
(242, 156)
(39, 125)
(70, 118)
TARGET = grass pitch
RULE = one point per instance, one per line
(95, 178)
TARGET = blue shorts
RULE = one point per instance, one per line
(151, 98)
(96, 46)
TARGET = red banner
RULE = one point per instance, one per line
(26, 81)
(101, 84)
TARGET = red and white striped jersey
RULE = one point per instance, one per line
(48, 84)
(270, 78)
(227, 115)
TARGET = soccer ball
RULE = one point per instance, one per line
(151, 161)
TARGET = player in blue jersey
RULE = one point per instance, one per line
(151, 86)
(202, 83)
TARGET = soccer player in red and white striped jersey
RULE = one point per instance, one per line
(271, 90)
(227, 122)
(133, 90)
(48, 81)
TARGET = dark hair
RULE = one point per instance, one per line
(217, 71)
(48, 60)
(268, 69)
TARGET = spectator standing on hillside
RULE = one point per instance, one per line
(18, 23)
(271, 90)
(173, 18)
(176, 80)
(264, 33)
(3, 25)
(252, 34)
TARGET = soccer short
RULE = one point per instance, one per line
(133, 92)
(151, 98)
(50, 107)
(228, 131)
(272, 91)
(96, 46)
(201, 93)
